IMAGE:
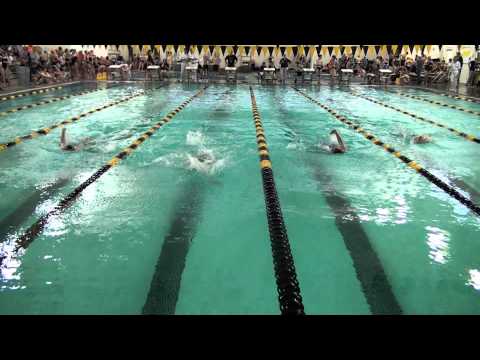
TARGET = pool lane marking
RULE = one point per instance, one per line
(368, 267)
(410, 163)
(34, 92)
(462, 134)
(165, 285)
(47, 130)
(288, 288)
(33, 231)
(29, 106)
(436, 102)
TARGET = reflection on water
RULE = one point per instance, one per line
(437, 240)
(474, 280)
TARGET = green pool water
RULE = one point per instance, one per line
(202, 230)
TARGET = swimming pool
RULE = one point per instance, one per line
(163, 233)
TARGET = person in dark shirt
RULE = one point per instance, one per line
(284, 61)
(231, 60)
(471, 75)
(460, 59)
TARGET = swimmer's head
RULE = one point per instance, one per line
(422, 139)
(205, 158)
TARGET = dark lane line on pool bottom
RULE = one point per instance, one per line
(288, 287)
(165, 285)
(33, 231)
(434, 102)
(164, 289)
(409, 162)
(27, 208)
(47, 130)
(45, 102)
(462, 134)
(368, 267)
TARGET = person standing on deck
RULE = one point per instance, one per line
(284, 61)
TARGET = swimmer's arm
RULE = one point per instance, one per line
(63, 140)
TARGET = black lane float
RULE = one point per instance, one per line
(412, 164)
(421, 118)
(29, 106)
(436, 102)
(34, 92)
(457, 97)
(33, 231)
(288, 287)
(46, 130)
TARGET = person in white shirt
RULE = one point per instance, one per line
(183, 59)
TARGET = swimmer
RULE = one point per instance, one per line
(73, 147)
(421, 139)
(206, 158)
(336, 146)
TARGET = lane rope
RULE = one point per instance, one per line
(33, 231)
(34, 92)
(462, 134)
(44, 102)
(411, 163)
(288, 287)
(47, 130)
(457, 97)
(436, 102)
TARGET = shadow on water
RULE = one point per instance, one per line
(19, 215)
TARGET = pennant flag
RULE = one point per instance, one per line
(319, 50)
(330, 49)
(265, 52)
(440, 47)
(222, 47)
(211, 48)
(158, 47)
(348, 50)
(394, 49)
(241, 51)
(336, 51)
(325, 50)
(289, 51)
(377, 50)
(277, 51)
(270, 50)
(282, 50)
(355, 50)
(301, 50)
(428, 49)
(311, 51)
(295, 50)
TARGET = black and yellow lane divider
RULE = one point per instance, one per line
(436, 102)
(456, 97)
(34, 92)
(421, 118)
(411, 163)
(33, 231)
(47, 130)
(288, 287)
(45, 102)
